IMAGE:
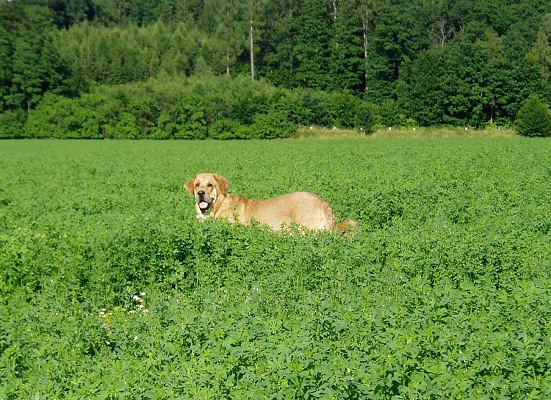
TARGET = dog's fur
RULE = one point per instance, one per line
(301, 208)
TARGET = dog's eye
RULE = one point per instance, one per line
(196, 184)
(209, 184)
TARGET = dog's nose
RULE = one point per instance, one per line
(201, 192)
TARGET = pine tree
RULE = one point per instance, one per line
(534, 118)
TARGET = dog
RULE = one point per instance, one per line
(303, 209)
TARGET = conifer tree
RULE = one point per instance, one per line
(534, 118)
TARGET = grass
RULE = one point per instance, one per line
(404, 133)
(111, 289)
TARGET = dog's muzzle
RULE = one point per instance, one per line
(203, 201)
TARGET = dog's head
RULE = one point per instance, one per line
(206, 188)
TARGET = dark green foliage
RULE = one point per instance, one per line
(184, 118)
(389, 114)
(534, 118)
(459, 85)
(62, 118)
(226, 129)
(116, 55)
(221, 108)
(30, 64)
(11, 124)
(110, 287)
(272, 125)
(335, 109)
(463, 63)
(365, 119)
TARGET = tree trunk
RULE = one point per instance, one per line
(365, 24)
(227, 62)
(335, 12)
(252, 49)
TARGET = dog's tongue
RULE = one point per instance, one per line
(203, 205)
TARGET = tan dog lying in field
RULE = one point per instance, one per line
(300, 208)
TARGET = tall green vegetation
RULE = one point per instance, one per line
(465, 63)
(534, 118)
(192, 108)
(30, 64)
(111, 288)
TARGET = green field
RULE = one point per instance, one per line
(111, 289)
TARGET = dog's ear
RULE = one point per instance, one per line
(190, 186)
(222, 182)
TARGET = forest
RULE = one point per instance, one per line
(241, 68)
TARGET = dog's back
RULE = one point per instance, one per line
(300, 208)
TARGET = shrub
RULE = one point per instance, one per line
(11, 124)
(191, 108)
(185, 119)
(48, 119)
(534, 118)
(273, 125)
(389, 113)
(124, 128)
(63, 118)
(224, 129)
(365, 119)
(342, 108)
(312, 107)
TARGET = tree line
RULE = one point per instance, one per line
(426, 62)
(215, 107)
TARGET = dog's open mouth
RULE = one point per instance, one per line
(204, 206)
